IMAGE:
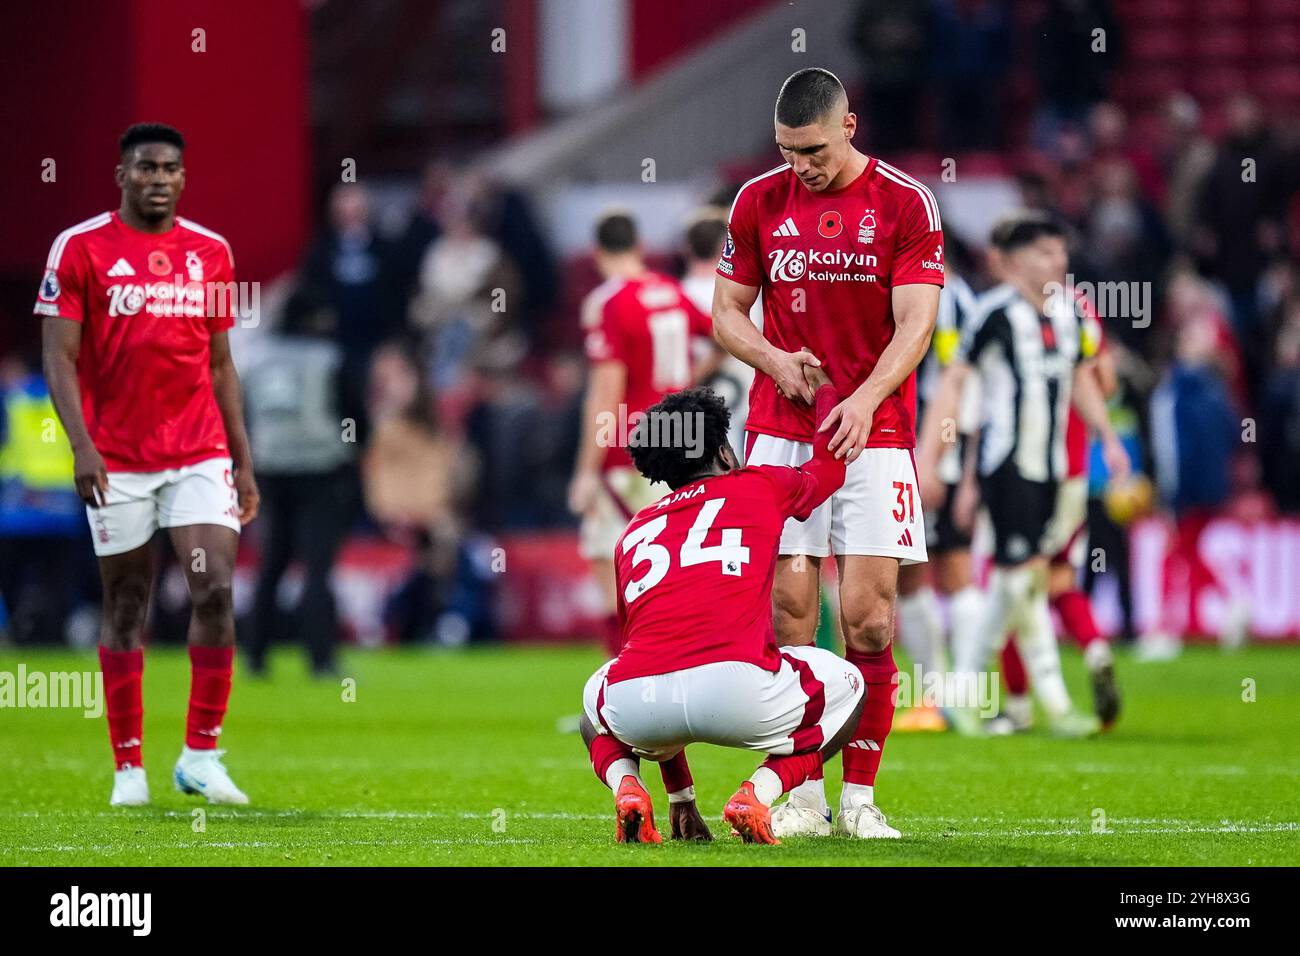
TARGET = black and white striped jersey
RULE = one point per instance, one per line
(1025, 360)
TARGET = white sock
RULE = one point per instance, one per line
(973, 647)
(920, 626)
(685, 795)
(1036, 639)
(767, 785)
(620, 768)
(856, 794)
(811, 793)
(1020, 709)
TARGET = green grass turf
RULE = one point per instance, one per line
(455, 759)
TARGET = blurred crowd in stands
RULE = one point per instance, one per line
(445, 353)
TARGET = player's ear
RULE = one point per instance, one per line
(119, 176)
(850, 125)
(728, 457)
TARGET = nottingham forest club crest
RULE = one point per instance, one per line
(867, 227)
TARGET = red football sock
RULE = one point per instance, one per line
(604, 751)
(1076, 616)
(794, 769)
(123, 703)
(209, 691)
(1013, 670)
(862, 755)
(676, 773)
(612, 634)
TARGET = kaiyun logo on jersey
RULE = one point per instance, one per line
(791, 265)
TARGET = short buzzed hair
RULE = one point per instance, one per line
(706, 234)
(808, 96)
(150, 133)
(616, 232)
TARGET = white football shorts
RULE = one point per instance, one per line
(876, 511)
(141, 502)
(732, 704)
(623, 492)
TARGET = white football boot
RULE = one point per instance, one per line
(201, 772)
(130, 788)
(1074, 726)
(864, 822)
(792, 819)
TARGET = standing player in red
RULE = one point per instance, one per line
(700, 662)
(139, 368)
(848, 254)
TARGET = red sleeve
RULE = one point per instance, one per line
(223, 307)
(918, 250)
(802, 489)
(604, 340)
(63, 287)
(741, 258)
(701, 325)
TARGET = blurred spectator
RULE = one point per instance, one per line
(1112, 142)
(349, 266)
(305, 420)
(42, 521)
(467, 289)
(421, 231)
(413, 474)
(1186, 158)
(968, 58)
(1279, 417)
(889, 36)
(1194, 426)
(1239, 214)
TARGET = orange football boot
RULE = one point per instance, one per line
(634, 815)
(749, 818)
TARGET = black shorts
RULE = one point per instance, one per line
(941, 534)
(1019, 511)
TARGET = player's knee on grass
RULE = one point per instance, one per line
(845, 733)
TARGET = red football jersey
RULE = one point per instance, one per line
(694, 570)
(144, 301)
(647, 324)
(826, 263)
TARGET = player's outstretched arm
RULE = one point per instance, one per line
(939, 421)
(60, 348)
(915, 308)
(738, 335)
(1086, 396)
(225, 385)
(606, 388)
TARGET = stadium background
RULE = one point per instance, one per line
(481, 168)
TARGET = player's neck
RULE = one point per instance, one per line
(850, 171)
(128, 216)
(624, 268)
(1036, 297)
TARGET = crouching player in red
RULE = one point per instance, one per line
(700, 661)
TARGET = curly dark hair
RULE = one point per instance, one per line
(676, 462)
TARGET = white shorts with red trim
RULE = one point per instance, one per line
(732, 704)
(1065, 539)
(877, 511)
(623, 492)
(141, 502)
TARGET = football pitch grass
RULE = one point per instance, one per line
(455, 759)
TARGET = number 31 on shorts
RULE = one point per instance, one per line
(905, 510)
